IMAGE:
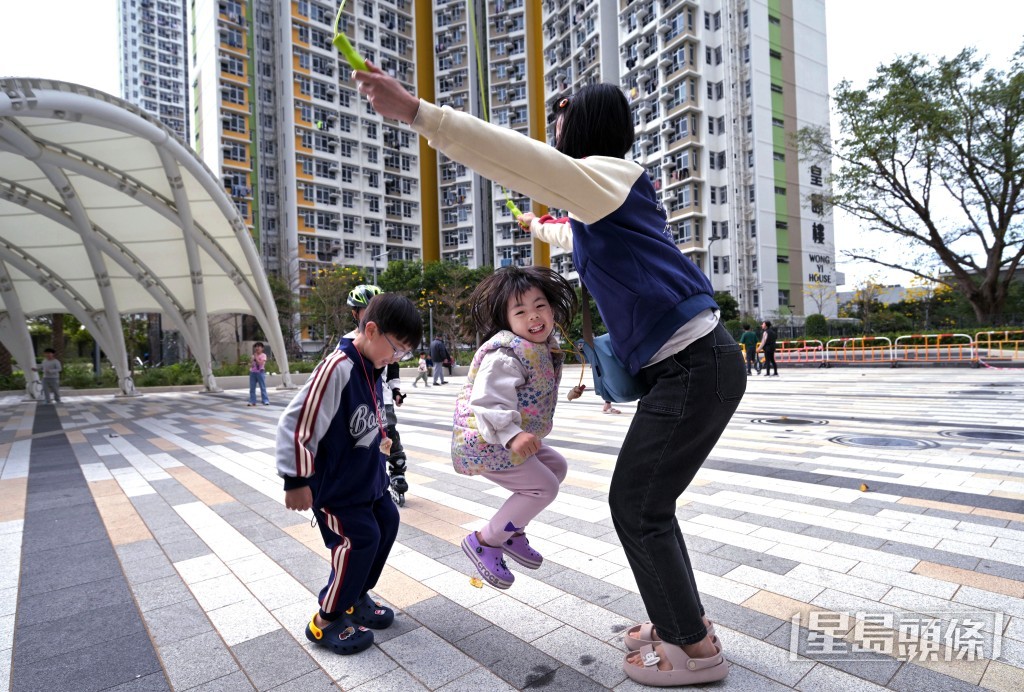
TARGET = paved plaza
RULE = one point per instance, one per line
(855, 529)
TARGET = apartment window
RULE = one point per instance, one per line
(750, 158)
(746, 53)
(772, 53)
(784, 297)
(714, 264)
(747, 89)
(750, 123)
(783, 259)
(752, 225)
(716, 160)
(778, 122)
(718, 55)
(708, 55)
(751, 194)
(233, 94)
(780, 190)
(781, 225)
(777, 88)
(716, 20)
(234, 122)
(772, 19)
(725, 265)
(778, 156)
(746, 18)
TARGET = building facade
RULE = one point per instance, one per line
(718, 89)
(154, 60)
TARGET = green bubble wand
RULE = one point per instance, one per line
(341, 42)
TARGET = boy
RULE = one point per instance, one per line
(358, 298)
(51, 368)
(258, 375)
(330, 452)
(748, 339)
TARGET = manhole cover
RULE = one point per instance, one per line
(789, 421)
(988, 435)
(978, 392)
(882, 441)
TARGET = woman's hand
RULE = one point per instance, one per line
(386, 94)
(525, 219)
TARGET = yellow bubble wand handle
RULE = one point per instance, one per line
(341, 42)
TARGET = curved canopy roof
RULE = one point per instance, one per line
(103, 212)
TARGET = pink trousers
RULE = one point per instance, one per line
(534, 485)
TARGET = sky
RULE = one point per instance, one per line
(77, 41)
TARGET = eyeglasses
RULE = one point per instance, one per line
(398, 355)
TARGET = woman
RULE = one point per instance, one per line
(658, 308)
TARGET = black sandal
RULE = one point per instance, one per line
(370, 613)
(341, 636)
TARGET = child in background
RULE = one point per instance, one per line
(258, 375)
(506, 409)
(51, 368)
(421, 370)
(330, 451)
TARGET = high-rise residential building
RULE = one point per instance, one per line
(154, 60)
(319, 178)
(718, 89)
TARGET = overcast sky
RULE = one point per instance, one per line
(77, 41)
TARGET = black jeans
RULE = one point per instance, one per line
(769, 361)
(691, 398)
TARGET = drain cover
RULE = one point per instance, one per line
(789, 421)
(978, 392)
(882, 441)
(987, 435)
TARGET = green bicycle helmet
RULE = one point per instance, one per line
(359, 297)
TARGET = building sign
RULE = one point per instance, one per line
(821, 265)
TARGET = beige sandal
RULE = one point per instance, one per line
(639, 636)
(611, 410)
(684, 670)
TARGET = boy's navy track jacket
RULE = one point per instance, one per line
(645, 288)
(329, 436)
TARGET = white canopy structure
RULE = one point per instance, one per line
(104, 212)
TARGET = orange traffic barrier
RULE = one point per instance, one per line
(1006, 345)
(859, 350)
(800, 352)
(934, 348)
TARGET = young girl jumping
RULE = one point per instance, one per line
(506, 408)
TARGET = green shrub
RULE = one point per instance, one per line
(734, 327)
(15, 382)
(78, 376)
(816, 326)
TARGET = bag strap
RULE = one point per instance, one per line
(588, 329)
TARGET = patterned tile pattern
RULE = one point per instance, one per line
(205, 568)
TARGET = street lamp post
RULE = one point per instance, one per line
(375, 258)
(711, 242)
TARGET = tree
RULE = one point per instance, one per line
(922, 143)
(325, 307)
(728, 305)
(821, 294)
(864, 303)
